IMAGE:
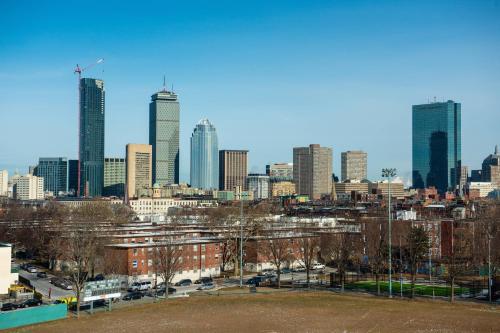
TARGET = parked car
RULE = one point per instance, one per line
(206, 286)
(63, 284)
(9, 306)
(98, 277)
(204, 280)
(32, 269)
(184, 283)
(30, 303)
(299, 269)
(41, 275)
(286, 271)
(133, 295)
(140, 286)
(267, 271)
(318, 267)
(161, 291)
(255, 281)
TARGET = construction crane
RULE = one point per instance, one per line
(78, 70)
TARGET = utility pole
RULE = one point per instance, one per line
(241, 239)
(489, 267)
(388, 173)
(401, 268)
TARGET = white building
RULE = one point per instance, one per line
(484, 188)
(29, 187)
(152, 206)
(7, 277)
(258, 185)
(4, 183)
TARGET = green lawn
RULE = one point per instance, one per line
(422, 290)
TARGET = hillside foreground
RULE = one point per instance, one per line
(285, 312)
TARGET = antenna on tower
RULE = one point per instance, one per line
(434, 99)
(172, 88)
(164, 84)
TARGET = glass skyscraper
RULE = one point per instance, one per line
(204, 156)
(54, 171)
(437, 145)
(91, 150)
(164, 137)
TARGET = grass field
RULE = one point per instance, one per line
(285, 312)
(421, 290)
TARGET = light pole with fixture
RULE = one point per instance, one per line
(389, 173)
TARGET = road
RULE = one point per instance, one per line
(42, 285)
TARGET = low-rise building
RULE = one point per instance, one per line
(484, 188)
(382, 188)
(350, 186)
(8, 274)
(284, 188)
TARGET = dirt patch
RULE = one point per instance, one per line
(286, 312)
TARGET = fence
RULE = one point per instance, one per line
(34, 315)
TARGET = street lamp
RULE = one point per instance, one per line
(241, 239)
(490, 237)
(389, 173)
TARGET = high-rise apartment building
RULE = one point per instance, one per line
(491, 169)
(139, 169)
(280, 172)
(259, 185)
(164, 137)
(114, 177)
(353, 165)
(91, 150)
(204, 156)
(4, 183)
(312, 170)
(233, 169)
(437, 145)
(54, 171)
(73, 177)
(464, 177)
(28, 187)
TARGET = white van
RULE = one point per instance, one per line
(140, 286)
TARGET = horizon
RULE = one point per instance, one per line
(294, 74)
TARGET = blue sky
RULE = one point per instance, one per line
(270, 75)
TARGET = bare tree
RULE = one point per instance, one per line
(168, 260)
(376, 249)
(308, 253)
(417, 249)
(341, 248)
(278, 251)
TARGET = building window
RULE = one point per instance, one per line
(195, 247)
(134, 263)
(135, 252)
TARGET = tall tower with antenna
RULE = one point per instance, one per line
(164, 118)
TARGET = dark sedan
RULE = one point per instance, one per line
(30, 303)
(133, 295)
(9, 306)
(184, 283)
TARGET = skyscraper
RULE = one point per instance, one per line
(437, 145)
(91, 150)
(258, 185)
(312, 170)
(164, 137)
(54, 171)
(354, 165)
(233, 169)
(491, 168)
(139, 169)
(28, 187)
(114, 177)
(204, 156)
(4, 183)
(73, 176)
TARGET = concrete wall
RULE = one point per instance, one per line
(39, 314)
(5, 270)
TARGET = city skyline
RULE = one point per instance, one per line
(326, 78)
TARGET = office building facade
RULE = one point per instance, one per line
(91, 150)
(436, 153)
(4, 183)
(258, 185)
(280, 172)
(354, 165)
(73, 177)
(54, 171)
(312, 170)
(204, 156)
(28, 187)
(491, 169)
(139, 169)
(114, 177)
(164, 137)
(233, 169)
